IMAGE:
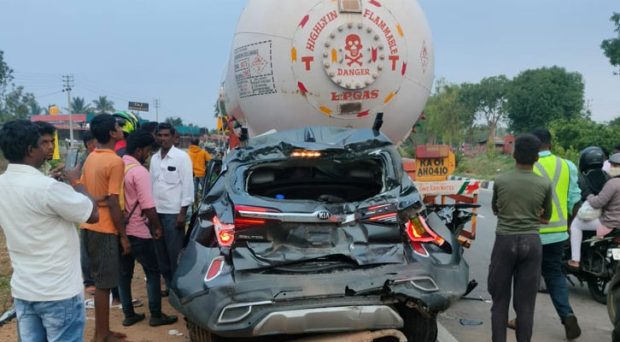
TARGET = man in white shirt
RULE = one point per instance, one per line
(173, 190)
(38, 215)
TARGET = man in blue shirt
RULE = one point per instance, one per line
(566, 193)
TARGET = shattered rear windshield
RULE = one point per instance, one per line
(326, 180)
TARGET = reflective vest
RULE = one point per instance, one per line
(556, 170)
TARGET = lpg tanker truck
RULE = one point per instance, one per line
(329, 63)
(314, 230)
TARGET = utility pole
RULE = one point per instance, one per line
(67, 84)
(156, 110)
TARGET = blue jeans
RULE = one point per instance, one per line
(60, 320)
(198, 185)
(142, 250)
(169, 246)
(555, 279)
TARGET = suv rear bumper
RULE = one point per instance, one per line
(299, 317)
(268, 304)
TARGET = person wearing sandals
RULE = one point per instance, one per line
(521, 201)
(140, 214)
(608, 202)
(38, 216)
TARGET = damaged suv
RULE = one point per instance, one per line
(313, 232)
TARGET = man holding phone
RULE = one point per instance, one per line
(38, 217)
(173, 190)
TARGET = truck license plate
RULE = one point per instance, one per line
(615, 253)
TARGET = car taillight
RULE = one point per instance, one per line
(385, 218)
(246, 216)
(248, 209)
(379, 213)
(419, 232)
(242, 223)
(225, 232)
(214, 269)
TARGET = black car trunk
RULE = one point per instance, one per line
(320, 180)
(311, 220)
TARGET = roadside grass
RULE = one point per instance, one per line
(5, 276)
(484, 166)
(5, 263)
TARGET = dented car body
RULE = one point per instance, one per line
(312, 231)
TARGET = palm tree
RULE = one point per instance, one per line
(103, 105)
(35, 109)
(79, 106)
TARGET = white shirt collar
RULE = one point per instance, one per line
(171, 153)
(23, 168)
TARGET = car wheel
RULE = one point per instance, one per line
(198, 334)
(419, 327)
(598, 289)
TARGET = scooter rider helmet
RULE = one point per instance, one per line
(127, 120)
(591, 157)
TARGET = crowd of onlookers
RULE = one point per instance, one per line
(130, 193)
(537, 204)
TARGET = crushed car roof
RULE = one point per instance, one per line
(311, 138)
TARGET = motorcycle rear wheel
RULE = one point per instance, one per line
(598, 289)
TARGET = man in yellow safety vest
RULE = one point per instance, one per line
(566, 193)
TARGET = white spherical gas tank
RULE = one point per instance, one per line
(330, 63)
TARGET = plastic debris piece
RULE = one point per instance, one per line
(89, 303)
(7, 316)
(174, 332)
(468, 322)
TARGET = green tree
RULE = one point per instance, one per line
(79, 106)
(611, 47)
(17, 104)
(488, 98)
(174, 121)
(103, 105)
(577, 134)
(35, 108)
(6, 74)
(615, 122)
(448, 116)
(539, 96)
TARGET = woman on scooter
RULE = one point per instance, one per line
(608, 201)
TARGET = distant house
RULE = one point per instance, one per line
(504, 145)
(61, 122)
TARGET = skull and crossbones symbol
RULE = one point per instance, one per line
(353, 46)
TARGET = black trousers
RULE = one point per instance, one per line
(515, 261)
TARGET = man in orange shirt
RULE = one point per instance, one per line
(199, 158)
(102, 175)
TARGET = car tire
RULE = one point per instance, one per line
(419, 327)
(198, 334)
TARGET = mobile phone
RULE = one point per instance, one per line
(72, 158)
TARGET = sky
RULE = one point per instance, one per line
(177, 51)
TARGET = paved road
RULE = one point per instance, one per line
(592, 315)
